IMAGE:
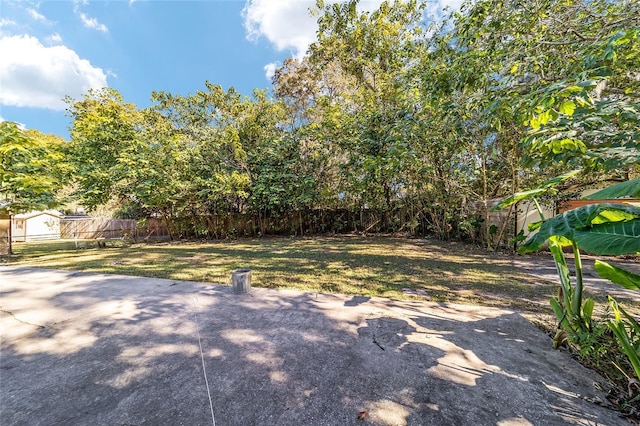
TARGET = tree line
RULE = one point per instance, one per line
(387, 112)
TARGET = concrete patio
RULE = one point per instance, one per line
(79, 348)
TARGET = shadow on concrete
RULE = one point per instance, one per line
(357, 300)
(99, 349)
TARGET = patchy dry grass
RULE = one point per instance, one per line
(369, 266)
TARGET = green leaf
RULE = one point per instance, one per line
(588, 84)
(611, 239)
(560, 314)
(587, 310)
(570, 90)
(567, 107)
(548, 102)
(622, 336)
(517, 197)
(563, 271)
(557, 309)
(630, 188)
(556, 180)
(525, 195)
(543, 118)
(597, 228)
(617, 275)
(535, 225)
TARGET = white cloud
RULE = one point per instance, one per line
(288, 25)
(78, 3)
(88, 22)
(92, 23)
(36, 15)
(285, 23)
(54, 39)
(32, 75)
(270, 70)
(4, 23)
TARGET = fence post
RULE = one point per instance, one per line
(241, 280)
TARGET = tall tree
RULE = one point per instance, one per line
(106, 147)
(32, 169)
(373, 51)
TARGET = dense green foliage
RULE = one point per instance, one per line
(32, 169)
(415, 123)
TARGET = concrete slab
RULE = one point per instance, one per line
(81, 349)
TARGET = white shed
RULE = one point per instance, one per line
(36, 226)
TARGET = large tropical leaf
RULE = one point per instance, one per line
(519, 196)
(617, 275)
(630, 188)
(611, 238)
(597, 228)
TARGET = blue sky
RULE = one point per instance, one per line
(50, 49)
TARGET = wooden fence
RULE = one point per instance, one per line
(309, 222)
(242, 225)
(92, 228)
(498, 227)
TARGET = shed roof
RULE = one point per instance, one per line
(29, 215)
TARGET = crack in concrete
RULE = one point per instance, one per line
(21, 321)
(377, 343)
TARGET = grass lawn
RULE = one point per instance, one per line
(368, 266)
